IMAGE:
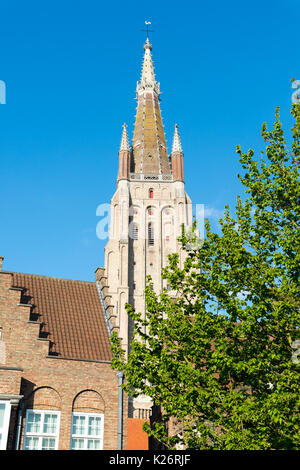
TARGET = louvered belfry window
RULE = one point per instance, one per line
(150, 234)
(135, 231)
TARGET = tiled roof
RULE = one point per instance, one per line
(71, 315)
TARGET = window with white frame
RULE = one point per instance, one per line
(5, 408)
(87, 431)
(41, 430)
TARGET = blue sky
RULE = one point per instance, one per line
(70, 69)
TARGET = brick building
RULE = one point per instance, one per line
(57, 387)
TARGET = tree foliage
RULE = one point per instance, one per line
(215, 352)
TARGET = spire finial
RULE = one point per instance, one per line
(176, 141)
(124, 147)
(147, 45)
(148, 76)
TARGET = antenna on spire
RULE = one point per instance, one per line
(147, 30)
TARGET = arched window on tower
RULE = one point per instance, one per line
(150, 234)
(151, 193)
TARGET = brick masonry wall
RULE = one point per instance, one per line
(49, 382)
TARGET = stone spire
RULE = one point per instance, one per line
(176, 141)
(177, 157)
(124, 140)
(148, 77)
(149, 155)
(124, 156)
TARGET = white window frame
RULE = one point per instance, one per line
(41, 435)
(5, 427)
(86, 436)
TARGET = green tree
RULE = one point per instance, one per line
(217, 352)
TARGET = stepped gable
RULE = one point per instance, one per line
(71, 315)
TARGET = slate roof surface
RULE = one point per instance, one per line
(71, 314)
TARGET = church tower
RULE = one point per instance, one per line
(147, 210)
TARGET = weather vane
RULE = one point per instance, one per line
(147, 30)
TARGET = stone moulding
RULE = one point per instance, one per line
(143, 177)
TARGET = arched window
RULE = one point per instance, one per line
(87, 421)
(150, 234)
(151, 193)
(42, 420)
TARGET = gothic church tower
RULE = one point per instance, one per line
(147, 209)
